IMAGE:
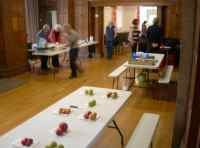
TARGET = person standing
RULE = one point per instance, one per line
(154, 35)
(55, 37)
(72, 37)
(43, 35)
(110, 37)
(134, 35)
(144, 29)
(143, 38)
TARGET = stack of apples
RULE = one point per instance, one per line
(92, 103)
(64, 111)
(27, 142)
(89, 92)
(90, 115)
(62, 129)
(112, 95)
(54, 144)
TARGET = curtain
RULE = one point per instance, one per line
(32, 19)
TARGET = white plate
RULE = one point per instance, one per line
(17, 144)
(81, 117)
(53, 131)
(56, 112)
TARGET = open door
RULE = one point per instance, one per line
(95, 24)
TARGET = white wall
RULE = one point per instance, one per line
(107, 16)
(124, 17)
(129, 13)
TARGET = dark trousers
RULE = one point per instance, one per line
(73, 55)
(134, 47)
(55, 61)
(44, 60)
(109, 45)
(91, 50)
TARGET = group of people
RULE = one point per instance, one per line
(148, 39)
(60, 34)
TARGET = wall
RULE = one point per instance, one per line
(81, 17)
(107, 16)
(128, 14)
(173, 21)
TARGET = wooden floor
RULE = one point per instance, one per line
(40, 91)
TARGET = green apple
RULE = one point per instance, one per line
(92, 103)
(86, 92)
(91, 92)
(60, 146)
(53, 144)
(114, 95)
(47, 146)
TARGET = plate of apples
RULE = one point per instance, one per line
(63, 111)
(61, 130)
(89, 116)
(113, 95)
(25, 143)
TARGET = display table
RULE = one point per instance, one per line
(158, 58)
(82, 134)
(57, 51)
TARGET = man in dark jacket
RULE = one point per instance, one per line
(154, 35)
(110, 37)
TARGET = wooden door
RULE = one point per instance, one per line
(95, 27)
(192, 134)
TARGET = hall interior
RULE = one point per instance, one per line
(26, 91)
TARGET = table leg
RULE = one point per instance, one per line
(91, 50)
(117, 82)
(115, 126)
(113, 84)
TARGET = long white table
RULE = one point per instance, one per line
(82, 134)
(55, 51)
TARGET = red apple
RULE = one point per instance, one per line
(29, 142)
(63, 126)
(86, 116)
(89, 112)
(23, 141)
(59, 132)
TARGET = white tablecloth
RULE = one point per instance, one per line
(53, 52)
(81, 133)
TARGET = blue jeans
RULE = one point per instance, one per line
(109, 45)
